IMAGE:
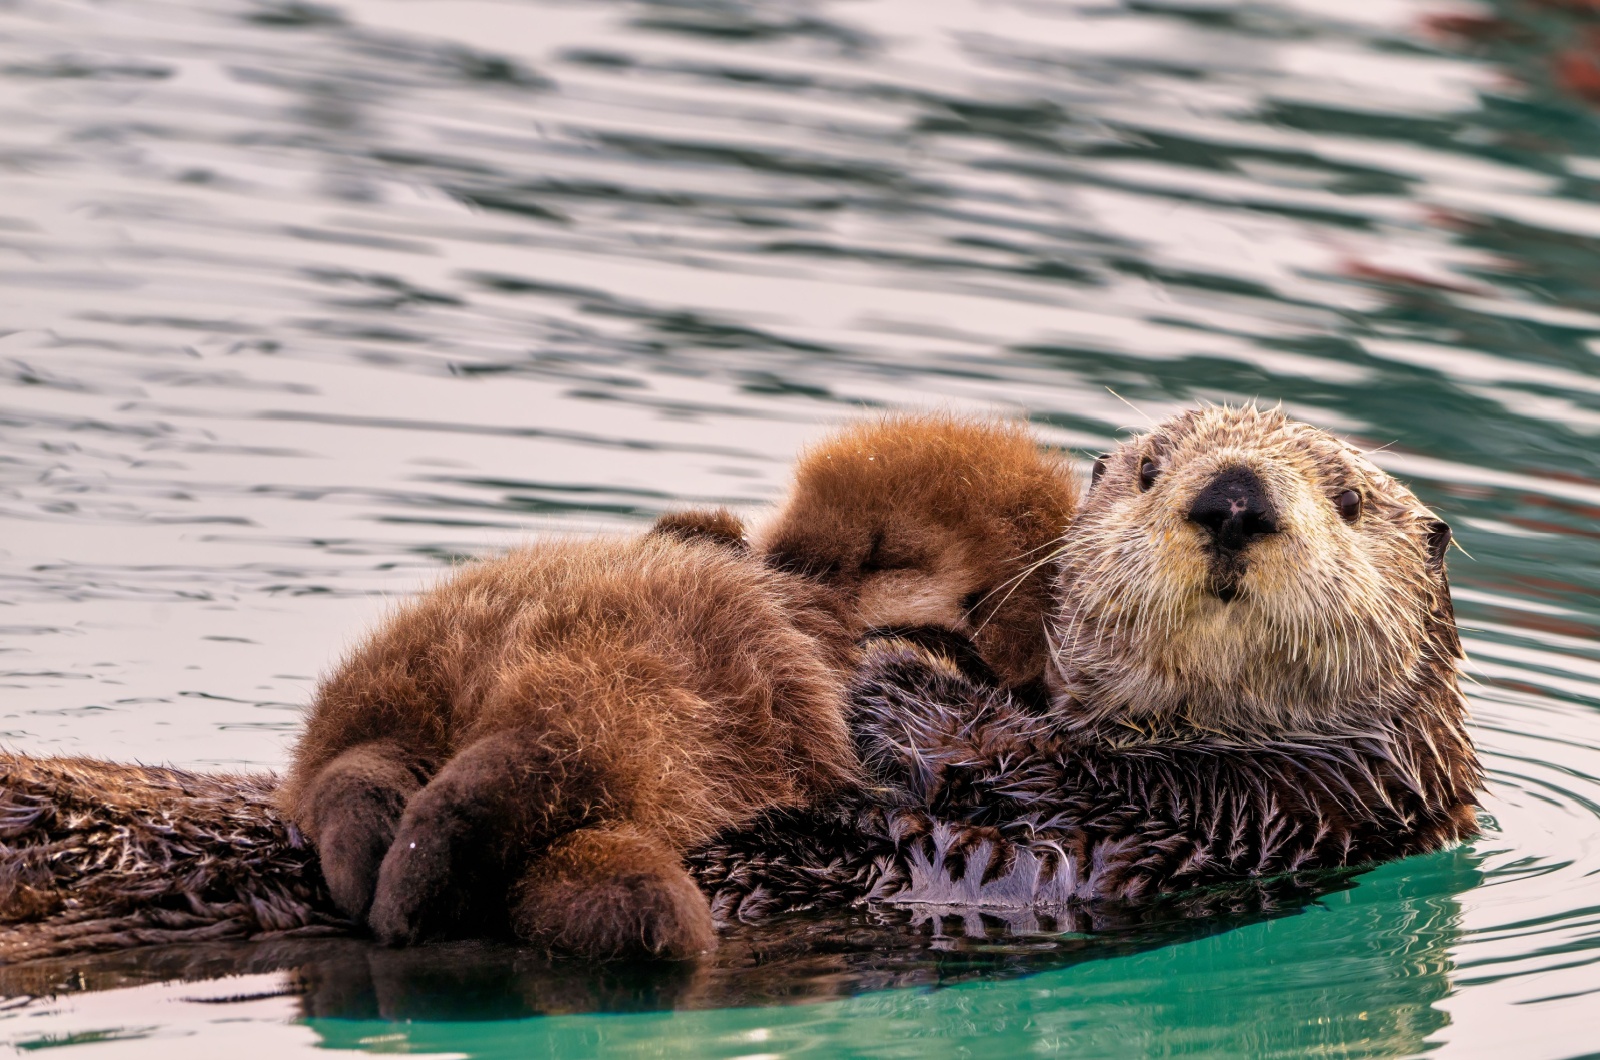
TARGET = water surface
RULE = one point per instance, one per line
(301, 301)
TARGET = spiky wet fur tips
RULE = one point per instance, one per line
(974, 802)
(970, 802)
(1340, 742)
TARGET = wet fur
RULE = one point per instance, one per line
(971, 802)
(975, 802)
(1314, 722)
(1335, 625)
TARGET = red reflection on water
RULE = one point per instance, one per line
(1472, 27)
(1365, 270)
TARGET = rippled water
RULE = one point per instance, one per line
(299, 301)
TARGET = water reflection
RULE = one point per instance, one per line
(1186, 975)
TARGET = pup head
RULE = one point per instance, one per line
(932, 521)
(1236, 571)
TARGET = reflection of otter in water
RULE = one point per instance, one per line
(1254, 673)
(1360, 972)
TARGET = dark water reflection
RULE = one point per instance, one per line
(298, 301)
(350, 992)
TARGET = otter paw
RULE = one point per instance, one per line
(351, 855)
(352, 808)
(612, 895)
(422, 892)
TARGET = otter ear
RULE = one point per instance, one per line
(1439, 538)
(717, 526)
(1099, 469)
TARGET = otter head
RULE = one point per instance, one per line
(931, 522)
(1236, 571)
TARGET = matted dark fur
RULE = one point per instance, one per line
(1253, 672)
(98, 856)
(975, 804)
(979, 803)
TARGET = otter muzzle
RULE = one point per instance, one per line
(1234, 509)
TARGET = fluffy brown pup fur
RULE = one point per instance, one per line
(933, 521)
(633, 695)
(577, 714)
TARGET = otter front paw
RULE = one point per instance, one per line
(612, 894)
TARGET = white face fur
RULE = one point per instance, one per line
(1236, 571)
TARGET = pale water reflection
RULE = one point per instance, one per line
(300, 300)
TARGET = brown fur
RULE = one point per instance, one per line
(716, 525)
(973, 802)
(1225, 707)
(933, 521)
(96, 855)
(674, 686)
(577, 714)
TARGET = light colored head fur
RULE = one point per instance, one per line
(1331, 616)
(931, 520)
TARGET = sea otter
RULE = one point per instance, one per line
(563, 722)
(1253, 673)
(1236, 532)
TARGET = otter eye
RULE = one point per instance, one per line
(1099, 469)
(1147, 475)
(1349, 503)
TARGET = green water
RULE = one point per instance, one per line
(299, 301)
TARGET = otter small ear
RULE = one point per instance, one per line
(1439, 538)
(716, 526)
(1099, 469)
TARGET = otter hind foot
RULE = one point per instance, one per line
(419, 893)
(465, 836)
(352, 808)
(612, 894)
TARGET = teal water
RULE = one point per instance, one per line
(299, 301)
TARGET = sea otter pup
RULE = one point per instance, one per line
(565, 721)
(1253, 673)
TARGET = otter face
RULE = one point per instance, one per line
(931, 521)
(1236, 570)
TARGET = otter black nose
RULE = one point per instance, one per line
(1235, 509)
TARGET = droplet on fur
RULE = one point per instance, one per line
(413, 846)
